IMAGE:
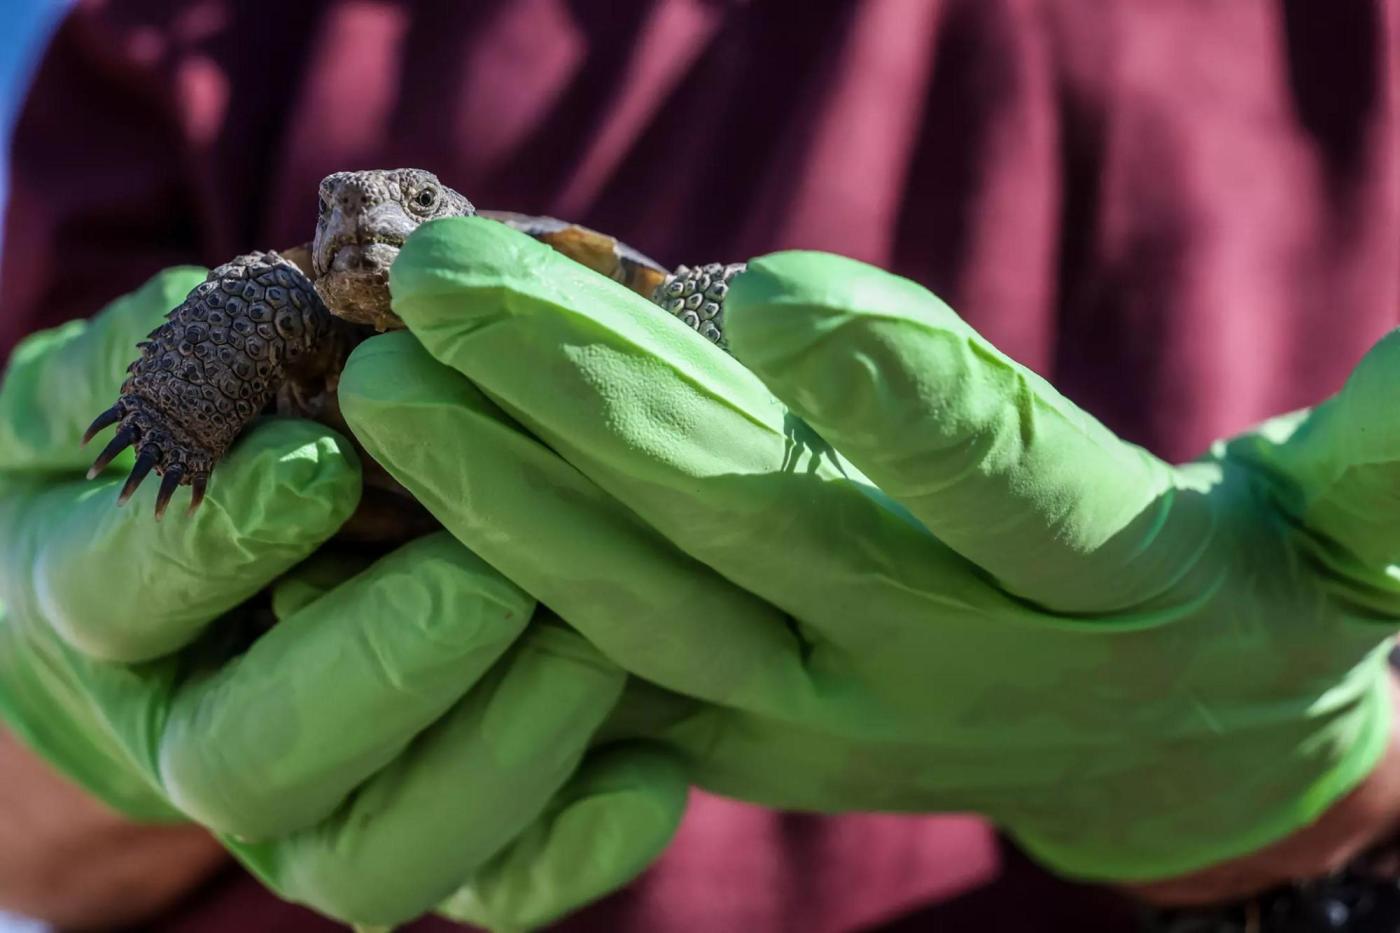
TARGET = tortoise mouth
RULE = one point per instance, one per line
(368, 255)
(359, 295)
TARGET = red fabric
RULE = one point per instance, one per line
(1185, 214)
(737, 868)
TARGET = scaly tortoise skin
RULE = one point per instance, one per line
(271, 331)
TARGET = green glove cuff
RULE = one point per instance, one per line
(1263, 808)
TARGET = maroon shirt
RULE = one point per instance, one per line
(1185, 214)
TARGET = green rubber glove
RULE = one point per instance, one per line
(399, 735)
(984, 602)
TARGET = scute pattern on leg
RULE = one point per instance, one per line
(696, 296)
(213, 366)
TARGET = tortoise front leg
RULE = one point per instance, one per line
(696, 296)
(253, 325)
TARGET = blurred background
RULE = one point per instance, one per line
(28, 25)
(1181, 213)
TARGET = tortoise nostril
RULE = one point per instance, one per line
(351, 200)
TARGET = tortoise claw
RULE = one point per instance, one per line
(145, 461)
(124, 439)
(197, 487)
(160, 447)
(168, 484)
(109, 417)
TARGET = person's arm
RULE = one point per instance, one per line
(71, 861)
(409, 730)
(66, 858)
(934, 583)
(1364, 819)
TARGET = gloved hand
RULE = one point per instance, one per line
(905, 573)
(397, 734)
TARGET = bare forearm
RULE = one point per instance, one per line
(69, 860)
(1363, 819)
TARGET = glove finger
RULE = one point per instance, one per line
(276, 740)
(611, 821)
(58, 380)
(987, 454)
(320, 573)
(1336, 470)
(120, 586)
(75, 712)
(579, 551)
(680, 434)
(460, 793)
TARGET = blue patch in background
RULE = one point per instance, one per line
(25, 27)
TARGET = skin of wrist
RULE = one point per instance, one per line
(1363, 819)
(68, 860)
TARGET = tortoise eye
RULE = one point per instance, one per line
(426, 198)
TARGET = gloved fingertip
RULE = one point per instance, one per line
(168, 287)
(134, 315)
(633, 766)
(314, 578)
(287, 478)
(392, 366)
(787, 277)
(391, 348)
(786, 303)
(393, 393)
(1370, 398)
(450, 256)
(612, 820)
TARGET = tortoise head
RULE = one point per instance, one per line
(363, 220)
